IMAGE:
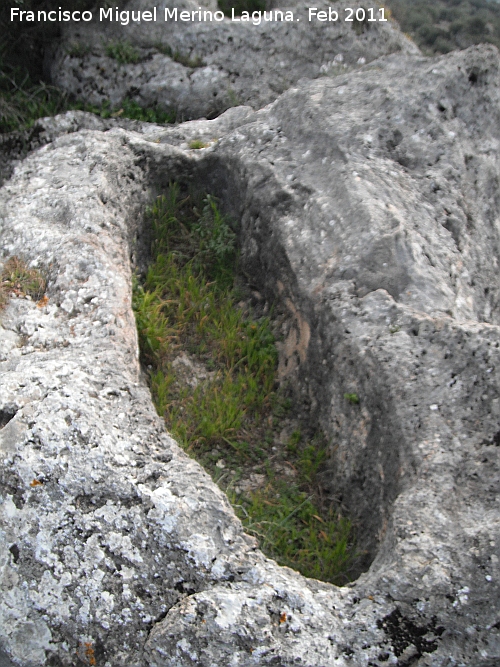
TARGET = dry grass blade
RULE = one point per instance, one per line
(17, 278)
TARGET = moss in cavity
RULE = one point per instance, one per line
(228, 413)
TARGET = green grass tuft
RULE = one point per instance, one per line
(188, 61)
(78, 49)
(190, 316)
(131, 109)
(22, 103)
(123, 52)
(197, 144)
(287, 519)
(18, 279)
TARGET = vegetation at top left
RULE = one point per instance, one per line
(24, 44)
(25, 91)
(22, 103)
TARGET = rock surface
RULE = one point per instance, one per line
(213, 65)
(369, 207)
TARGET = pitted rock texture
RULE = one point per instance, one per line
(214, 65)
(368, 207)
(15, 146)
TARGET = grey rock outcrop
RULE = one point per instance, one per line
(15, 146)
(369, 207)
(213, 65)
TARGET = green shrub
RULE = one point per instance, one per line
(439, 26)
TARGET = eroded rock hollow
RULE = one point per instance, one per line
(369, 206)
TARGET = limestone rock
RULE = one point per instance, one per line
(199, 69)
(368, 206)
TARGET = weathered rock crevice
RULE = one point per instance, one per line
(316, 349)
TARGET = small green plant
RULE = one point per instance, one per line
(178, 57)
(197, 143)
(78, 49)
(212, 371)
(123, 52)
(290, 528)
(130, 109)
(188, 61)
(22, 103)
(233, 98)
(293, 442)
(352, 398)
(18, 279)
(166, 49)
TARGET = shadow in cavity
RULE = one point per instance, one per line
(6, 415)
(4, 660)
